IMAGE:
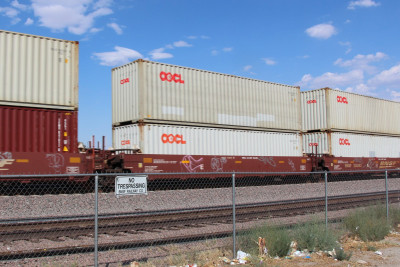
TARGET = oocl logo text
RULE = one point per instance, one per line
(344, 142)
(126, 80)
(125, 142)
(342, 99)
(313, 144)
(312, 101)
(169, 77)
(172, 138)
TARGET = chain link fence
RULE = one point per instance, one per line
(54, 219)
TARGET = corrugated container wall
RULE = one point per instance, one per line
(186, 140)
(38, 71)
(340, 144)
(327, 109)
(38, 130)
(156, 92)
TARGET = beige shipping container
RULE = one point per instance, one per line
(341, 144)
(328, 109)
(187, 140)
(38, 71)
(156, 92)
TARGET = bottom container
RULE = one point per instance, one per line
(187, 140)
(25, 129)
(341, 144)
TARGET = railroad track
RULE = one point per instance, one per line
(168, 220)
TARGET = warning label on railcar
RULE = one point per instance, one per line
(131, 185)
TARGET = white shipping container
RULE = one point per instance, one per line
(38, 71)
(157, 92)
(186, 140)
(340, 144)
(328, 109)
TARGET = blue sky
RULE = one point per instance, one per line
(351, 45)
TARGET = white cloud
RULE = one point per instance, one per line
(160, 54)
(102, 3)
(115, 27)
(361, 89)
(95, 30)
(9, 12)
(388, 78)
(363, 77)
(193, 37)
(247, 67)
(77, 16)
(347, 45)
(362, 3)
(182, 44)
(29, 21)
(120, 56)
(305, 56)
(17, 5)
(395, 96)
(321, 31)
(361, 62)
(218, 51)
(332, 80)
(269, 61)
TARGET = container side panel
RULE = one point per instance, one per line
(38, 130)
(172, 139)
(319, 140)
(313, 110)
(38, 71)
(362, 113)
(125, 94)
(180, 94)
(340, 144)
(327, 109)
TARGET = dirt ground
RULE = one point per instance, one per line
(363, 254)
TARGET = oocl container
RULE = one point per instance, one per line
(340, 144)
(156, 92)
(38, 130)
(38, 71)
(328, 109)
(186, 140)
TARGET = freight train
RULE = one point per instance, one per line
(172, 119)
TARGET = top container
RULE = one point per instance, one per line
(328, 109)
(157, 92)
(38, 71)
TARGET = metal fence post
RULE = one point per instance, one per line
(387, 195)
(96, 225)
(326, 200)
(234, 214)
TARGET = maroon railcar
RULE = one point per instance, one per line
(158, 163)
(26, 129)
(39, 141)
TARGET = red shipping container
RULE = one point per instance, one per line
(24, 129)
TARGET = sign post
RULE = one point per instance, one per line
(131, 185)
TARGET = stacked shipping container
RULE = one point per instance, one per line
(157, 106)
(344, 124)
(38, 93)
